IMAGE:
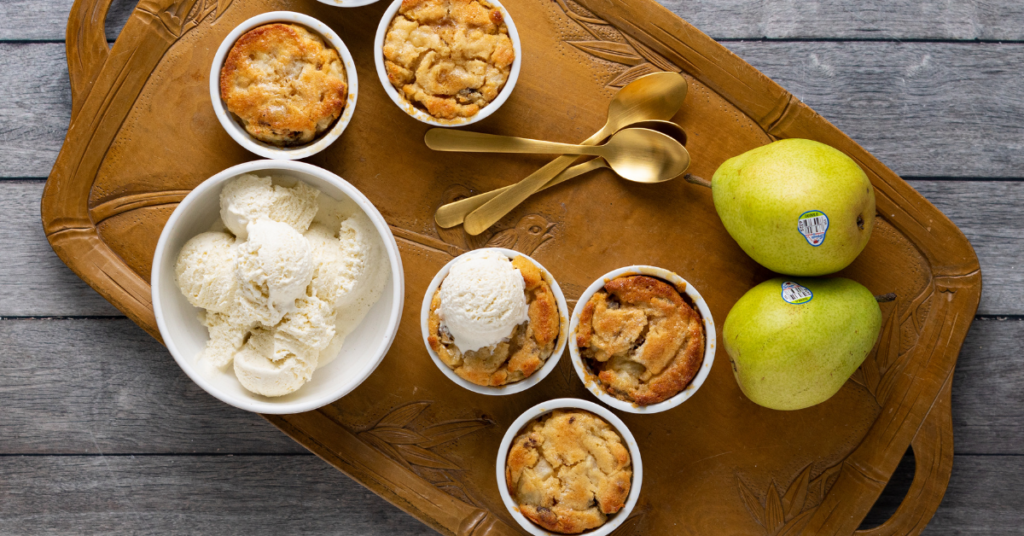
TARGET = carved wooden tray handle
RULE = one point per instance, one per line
(933, 455)
(87, 53)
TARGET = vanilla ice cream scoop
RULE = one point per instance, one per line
(350, 266)
(306, 330)
(248, 198)
(227, 336)
(258, 371)
(274, 267)
(205, 271)
(482, 300)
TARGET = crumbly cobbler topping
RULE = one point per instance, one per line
(517, 357)
(642, 339)
(284, 84)
(450, 57)
(568, 471)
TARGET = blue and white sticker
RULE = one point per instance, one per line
(813, 224)
(796, 294)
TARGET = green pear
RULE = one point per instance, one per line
(797, 207)
(794, 342)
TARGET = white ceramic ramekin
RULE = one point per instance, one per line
(570, 403)
(186, 337)
(512, 388)
(422, 115)
(237, 131)
(590, 379)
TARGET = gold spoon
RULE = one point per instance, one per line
(455, 212)
(654, 96)
(636, 154)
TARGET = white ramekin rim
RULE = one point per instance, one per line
(238, 133)
(512, 388)
(348, 3)
(212, 186)
(710, 340)
(573, 403)
(411, 109)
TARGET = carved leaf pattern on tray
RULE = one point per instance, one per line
(399, 438)
(180, 16)
(787, 515)
(881, 369)
(639, 58)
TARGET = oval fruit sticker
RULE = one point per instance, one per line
(796, 294)
(813, 224)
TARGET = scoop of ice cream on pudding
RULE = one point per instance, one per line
(482, 300)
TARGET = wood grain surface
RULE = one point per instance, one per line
(964, 20)
(94, 385)
(248, 495)
(984, 496)
(926, 109)
(988, 212)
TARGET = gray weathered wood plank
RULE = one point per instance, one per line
(35, 107)
(102, 385)
(985, 497)
(724, 19)
(47, 20)
(162, 495)
(863, 19)
(106, 386)
(988, 389)
(989, 213)
(925, 109)
(302, 495)
(36, 283)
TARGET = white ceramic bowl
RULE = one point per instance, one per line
(237, 131)
(186, 337)
(547, 407)
(418, 113)
(590, 380)
(512, 388)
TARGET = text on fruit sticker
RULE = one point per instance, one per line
(795, 293)
(813, 224)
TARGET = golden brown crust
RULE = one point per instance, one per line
(524, 352)
(642, 338)
(531, 274)
(449, 57)
(568, 471)
(283, 83)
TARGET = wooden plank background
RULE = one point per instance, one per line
(101, 433)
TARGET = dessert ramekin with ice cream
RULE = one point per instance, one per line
(292, 273)
(494, 321)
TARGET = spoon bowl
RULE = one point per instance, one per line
(653, 96)
(455, 213)
(642, 155)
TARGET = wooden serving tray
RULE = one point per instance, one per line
(143, 133)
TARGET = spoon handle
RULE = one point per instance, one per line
(440, 139)
(454, 213)
(490, 212)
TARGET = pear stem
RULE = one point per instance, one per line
(886, 298)
(693, 179)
